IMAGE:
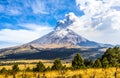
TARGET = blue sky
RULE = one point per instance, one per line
(22, 21)
(14, 12)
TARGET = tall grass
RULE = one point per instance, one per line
(81, 73)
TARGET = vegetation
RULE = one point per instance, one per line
(106, 66)
(39, 67)
(57, 65)
(15, 68)
(3, 70)
(78, 62)
(111, 57)
(88, 63)
(97, 64)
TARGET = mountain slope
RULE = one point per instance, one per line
(64, 36)
(30, 52)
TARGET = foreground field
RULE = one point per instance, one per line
(83, 73)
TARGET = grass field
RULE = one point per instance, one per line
(28, 63)
(81, 73)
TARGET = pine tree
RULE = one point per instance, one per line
(48, 68)
(105, 62)
(97, 64)
(39, 67)
(88, 63)
(57, 65)
(78, 62)
(3, 70)
(15, 68)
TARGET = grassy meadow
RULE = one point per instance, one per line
(80, 73)
(29, 63)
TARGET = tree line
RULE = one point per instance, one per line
(111, 58)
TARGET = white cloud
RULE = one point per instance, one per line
(36, 27)
(101, 20)
(14, 8)
(10, 10)
(39, 7)
(22, 36)
(19, 36)
(1, 8)
(14, 12)
(100, 11)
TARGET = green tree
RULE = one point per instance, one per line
(48, 68)
(113, 56)
(88, 63)
(39, 67)
(3, 70)
(78, 62)
(105, 62)
(28, 69)
(15, 68)
(57, 65)
(97, 64)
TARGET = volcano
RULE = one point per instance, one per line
(62, 43)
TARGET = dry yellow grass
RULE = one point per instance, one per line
(83, 73)
(28, 63)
